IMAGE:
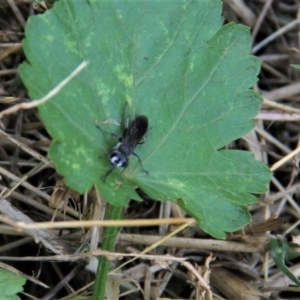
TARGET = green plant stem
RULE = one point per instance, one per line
(109, 239)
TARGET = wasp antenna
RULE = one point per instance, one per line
(107, 173)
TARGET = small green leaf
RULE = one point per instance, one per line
(169, 60)
(10, 285)
(281, 253)
(295, 66)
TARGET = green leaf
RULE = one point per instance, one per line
(10, 285)
(295, 66)
(281, 253)
(169, 60)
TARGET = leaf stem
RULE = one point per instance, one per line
(109, 239)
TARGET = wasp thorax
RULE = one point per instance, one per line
(118, 158)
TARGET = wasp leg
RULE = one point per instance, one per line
(143, 141)
(140, 162)
(145, 137)
(105, 131)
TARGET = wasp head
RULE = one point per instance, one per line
(118, 158)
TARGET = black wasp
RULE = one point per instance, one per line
(132, 137)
